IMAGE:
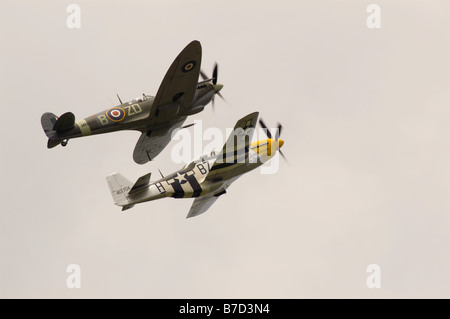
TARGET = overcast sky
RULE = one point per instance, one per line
(365, 115)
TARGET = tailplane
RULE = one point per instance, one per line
(119, 187)
(64, 122)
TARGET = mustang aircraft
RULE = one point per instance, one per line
(205, 179)
(156, 117)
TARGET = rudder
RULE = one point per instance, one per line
(119, 187)
(48, 120)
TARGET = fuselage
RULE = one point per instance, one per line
(134, 115)
(203, 177)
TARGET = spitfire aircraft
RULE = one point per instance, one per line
(205, 179)
(179, 95)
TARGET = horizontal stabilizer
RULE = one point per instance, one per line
(64, 122)
(140, 184)
(52, 143)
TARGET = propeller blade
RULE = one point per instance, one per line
(266, 130)
(221, 96)
(278, 133)
(212, 102)
(215, 73)
(283, 156)
(203, 75)
(218, 87)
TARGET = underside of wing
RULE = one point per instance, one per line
(148, 147)
(201, 204)
(236, 147)
(177, 89)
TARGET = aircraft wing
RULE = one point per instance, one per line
(177, 89)
(237, 146)
(148, 147)
(201, 205)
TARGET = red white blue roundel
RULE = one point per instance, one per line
(116, 114)
(188, 66)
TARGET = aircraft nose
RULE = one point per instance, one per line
(217, 87)
(280, 142)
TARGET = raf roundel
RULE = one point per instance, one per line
(188, 66)
(116, 114)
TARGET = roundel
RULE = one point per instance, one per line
(188, 66)
(115, 114)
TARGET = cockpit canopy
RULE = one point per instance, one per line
(190, 165)
(199, 160)
(142, 98)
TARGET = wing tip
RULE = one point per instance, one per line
(194, 46)
(195, 42)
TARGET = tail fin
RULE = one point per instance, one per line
(51, 125)
(120, 187)
(48, 120)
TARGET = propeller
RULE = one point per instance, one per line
(215, 71)
(269, 135)
(217, 87)
(204, 76)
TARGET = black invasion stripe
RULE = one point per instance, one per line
(179, 192)
(235, 152)
(195, 185)
(235, 160)
(219, 166)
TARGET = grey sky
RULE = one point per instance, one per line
(365, 115)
